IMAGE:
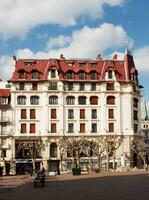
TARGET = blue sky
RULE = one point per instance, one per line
(76, 28)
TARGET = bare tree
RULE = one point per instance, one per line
(97, 149)
(139, 147)
(111, 144)
(74, 147)
(34, 149)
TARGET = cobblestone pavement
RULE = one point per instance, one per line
(113, 186)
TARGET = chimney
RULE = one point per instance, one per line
(99, 57)
(115, 57)
(62, 57)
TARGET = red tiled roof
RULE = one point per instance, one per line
(4, 92)
(122, 68)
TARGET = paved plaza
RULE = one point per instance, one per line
(113, 186)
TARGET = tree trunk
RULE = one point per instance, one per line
(99, 164)
(33, 163)
(114, 161)
(107, 162)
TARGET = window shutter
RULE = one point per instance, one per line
(53, 128)
(111, 113)
(111, 127)
(82, 113)
(32, 128)
(94, 100)
(82, 128)
(111, 100)
(23, 113)
(53, 113)
(23, 128)
(32, 114)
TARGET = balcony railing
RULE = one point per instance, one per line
(4, 119)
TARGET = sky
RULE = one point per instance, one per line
(76, 29)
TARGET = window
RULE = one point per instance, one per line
(32, 128)
(34, 86)
(34, 74)
(135, 128)
(110, 74)
(110, 100)
(110, 86)
(70, 86)
(4, 100)
(53, 73)
(135, 102)
(135, 115)
(23, 114)
(82, 113)
(32, 114)
(93, 64)
(81, 75)
(70, 100)
(82, 128)
(21, 100)
(93, 86)
(21, 86)
(69, 75)
(94, 100)
(94, 128)
(82, 86)
(82, 100)
(53, 100)
(53, 150)
(23, 128)
(52, 86)
(93, 76)
(53, 127)
(53, 113)
(34, 100)
(22, 74)
(111, 127)
(70, 114)
(111, 114)
(82, 64)
(94, 114)
(70, 128)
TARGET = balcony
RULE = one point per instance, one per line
(4, 119)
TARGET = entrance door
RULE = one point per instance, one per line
(54, 166)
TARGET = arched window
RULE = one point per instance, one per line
(21, 74)
(35, 74)
(93, 75)
(82, 100)
(34, 100)
(53, 150)
(94, 100)
(135, 102)
(82, 75)
(21, 100)
(111, 100)
(69, 75)
(53, 100)
(70, 100)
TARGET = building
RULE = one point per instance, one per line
(6, 137)
(72, 97)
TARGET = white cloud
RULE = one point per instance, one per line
(6, 67)
(87, 42)
(17, 17)
(141, 57)
(57, 42)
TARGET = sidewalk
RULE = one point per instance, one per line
(14, 181)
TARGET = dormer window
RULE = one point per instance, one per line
(35, 75)
(53, 73)
(22, 74)
(82, 64)
(81, 75)
(110, 74)
(4, 100)
(69, 75)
